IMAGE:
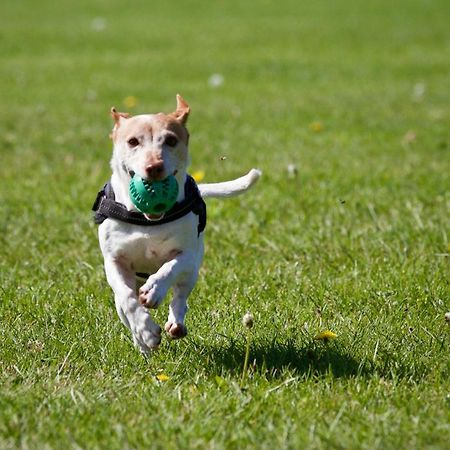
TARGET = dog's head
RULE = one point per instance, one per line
(153, 146)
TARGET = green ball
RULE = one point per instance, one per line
(153, 197)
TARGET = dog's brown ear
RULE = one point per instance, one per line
(183, 110)
(116, 117)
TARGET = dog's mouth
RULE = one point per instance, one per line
(132, 173)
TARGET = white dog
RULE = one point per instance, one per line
(165, 251)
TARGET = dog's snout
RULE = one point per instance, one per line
(155, 170)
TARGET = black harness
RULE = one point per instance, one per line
(106, 207)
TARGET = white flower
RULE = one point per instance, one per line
(98, 24)
(292, 170)
(247, 320)
(216, 80)
(418, 91)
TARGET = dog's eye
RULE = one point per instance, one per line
(133, 142)
(171, 141)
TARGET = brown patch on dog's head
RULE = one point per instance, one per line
(174, 125)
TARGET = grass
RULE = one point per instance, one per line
(356, 97)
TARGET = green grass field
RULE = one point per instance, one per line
(356, 96)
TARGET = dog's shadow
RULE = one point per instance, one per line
(273, 359)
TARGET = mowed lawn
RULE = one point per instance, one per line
(345, 107)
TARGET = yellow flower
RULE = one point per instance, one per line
(130, 101)
(220, 381)
(198, 175)
(325, 336)
(409, 137)
(162, 377)
(316, 126)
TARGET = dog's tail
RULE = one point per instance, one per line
(230, 188)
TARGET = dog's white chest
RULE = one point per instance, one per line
(145, 249)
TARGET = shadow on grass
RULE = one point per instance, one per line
(273, 359)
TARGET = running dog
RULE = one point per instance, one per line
(146, 255)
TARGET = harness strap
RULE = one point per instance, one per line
(105, 206)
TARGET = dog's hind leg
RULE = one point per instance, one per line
(175, 326)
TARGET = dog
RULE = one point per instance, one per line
(145, 255)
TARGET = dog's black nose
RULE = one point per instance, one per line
(155, 170)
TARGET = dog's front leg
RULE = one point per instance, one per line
(177, 269)
(146, 333)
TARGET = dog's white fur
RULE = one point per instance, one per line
(172, 253)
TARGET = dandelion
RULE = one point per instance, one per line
(292, 170)
(162, 377)
(98, 24)
(316, 126)
(198, 175)
(130, 101)
(91, 95)
(409, 137)
(325, 336)
(418, 91)
(247, 321)
(216, 80)
(220, 381)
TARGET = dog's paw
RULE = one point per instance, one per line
(144, 348)
(152, 293)
(176, 330)
(146, 333)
